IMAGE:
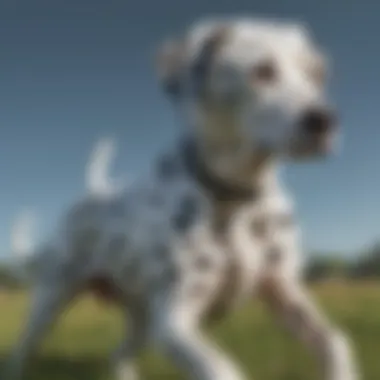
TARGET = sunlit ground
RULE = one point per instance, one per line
(79, 345)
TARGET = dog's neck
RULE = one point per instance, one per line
(240, 166)
(226, 188)
(226, 174)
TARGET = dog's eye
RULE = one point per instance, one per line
(265, 72)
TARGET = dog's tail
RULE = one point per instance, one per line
(23, 256)
(98, 181)
(21, 234)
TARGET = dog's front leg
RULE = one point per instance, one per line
(294, 307)
(174, 328)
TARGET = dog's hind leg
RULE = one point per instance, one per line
(123, 359)
(49, 298)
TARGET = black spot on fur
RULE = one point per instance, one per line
(132, 268)
(260, 227)
(165, 280)
(156, 200)
(162, 253)
(285, 220)
(118, 244)
(198, 289)
(203, 262)
(172, 274)
(274, 255)
(220, 224)
(117, 208)
(172, 88)
(186, 214)
(167, 168)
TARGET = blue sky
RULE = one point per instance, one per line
(71, 73)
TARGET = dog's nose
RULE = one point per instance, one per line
(318, 121)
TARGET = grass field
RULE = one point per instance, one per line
(78, 346)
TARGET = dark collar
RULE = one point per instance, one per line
(221, 190)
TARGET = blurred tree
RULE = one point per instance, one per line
(368, 265)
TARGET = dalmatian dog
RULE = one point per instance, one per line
(210, 225)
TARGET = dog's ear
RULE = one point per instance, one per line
(207, 49)
(194, 53)
(170, 60)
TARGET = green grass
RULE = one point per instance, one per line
(78, 346)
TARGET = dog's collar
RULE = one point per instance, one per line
(221, 190)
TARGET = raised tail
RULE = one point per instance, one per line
(22, 246)
(98, 181)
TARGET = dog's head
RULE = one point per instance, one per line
(255, 83)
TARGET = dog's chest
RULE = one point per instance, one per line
(217, 259)
(259, 239)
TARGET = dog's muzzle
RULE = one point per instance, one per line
(318, 127)
(317, 122)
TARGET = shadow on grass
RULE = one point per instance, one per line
(63, 368)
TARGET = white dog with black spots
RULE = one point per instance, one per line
(210, 226)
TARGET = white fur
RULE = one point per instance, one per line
(22, 234)
(98, 179)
